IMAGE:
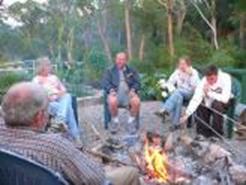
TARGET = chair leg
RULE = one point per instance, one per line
(75, 108)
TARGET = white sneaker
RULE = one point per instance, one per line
(114, 126)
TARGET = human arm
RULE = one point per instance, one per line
(195, 79)
(106, 82)
(78, 167)
(225, 95)
(173, 78)
(196, 99)
(135, 81)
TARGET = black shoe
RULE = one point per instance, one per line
(175, 127)
(162, 114)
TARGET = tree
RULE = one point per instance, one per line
(128, 29)
(168, 4)
(101, 21)
(211, 20)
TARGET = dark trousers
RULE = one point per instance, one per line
(206, 115)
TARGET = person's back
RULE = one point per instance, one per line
(25, 117)
(54, 151)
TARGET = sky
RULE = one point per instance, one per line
(11, 21)
(9, 2)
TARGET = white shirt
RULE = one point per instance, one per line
(220, 91)
(187, 81)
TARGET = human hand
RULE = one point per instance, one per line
(206, 89)
(112, 92)
(132, 93)
(184, 118)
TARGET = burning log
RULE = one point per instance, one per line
(153, 160)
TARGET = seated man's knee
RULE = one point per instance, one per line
(135, 101)
(112, 100)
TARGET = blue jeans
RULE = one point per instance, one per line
(173, 105)
(62, 109)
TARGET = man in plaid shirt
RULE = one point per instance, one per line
(25, 114)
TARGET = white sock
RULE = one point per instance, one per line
(131, 119)
(116, 119)
(162, 110)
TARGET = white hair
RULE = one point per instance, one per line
(22, 102)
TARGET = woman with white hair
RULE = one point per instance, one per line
(60, 102)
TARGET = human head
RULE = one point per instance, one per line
(44, 67)
(25, 105)
(121, 60)
(211, 74)
(184, 63)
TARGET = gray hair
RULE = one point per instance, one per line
(22, 102)
(41, 64)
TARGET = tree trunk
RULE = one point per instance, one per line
(214, 24)
(141, 48)
(70, 43)
(181, 17)
(170, 27)
(128, 29)
(242, 30)
(105, 42)
(211, 24)
(59, 47)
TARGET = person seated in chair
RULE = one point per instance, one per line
(185, 78)
(214, 91)
(60, 101)
(121, 83)
(25, 115)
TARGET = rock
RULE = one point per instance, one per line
(203, 180)
(214, 153)
(238, 173)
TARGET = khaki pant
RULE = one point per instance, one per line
(123, 176)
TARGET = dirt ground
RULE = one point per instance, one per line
(93, 114)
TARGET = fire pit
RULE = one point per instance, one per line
(176, 159)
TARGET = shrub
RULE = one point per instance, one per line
(149, 88)
(7, 79)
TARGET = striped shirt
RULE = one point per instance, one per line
(55, 152)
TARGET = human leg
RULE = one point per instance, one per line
(134, 105)
(113, 109)
(218, 118)
(173, 106)
(133, 120)
(66, 111)
(113, 105)
(203, 114)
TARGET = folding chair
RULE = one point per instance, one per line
(230, 113)
(18, 170)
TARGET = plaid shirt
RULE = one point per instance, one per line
(54, 151)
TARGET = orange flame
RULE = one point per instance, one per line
(156, 163)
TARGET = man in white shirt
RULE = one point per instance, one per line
(214, 91)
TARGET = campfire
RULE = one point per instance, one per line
(156, 163)
(175, 159)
